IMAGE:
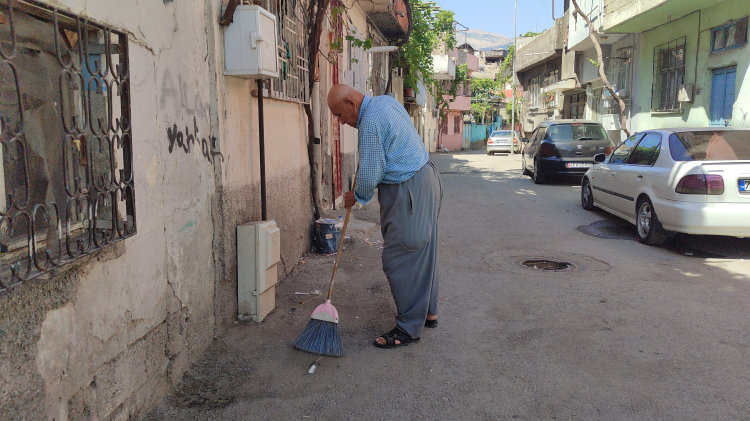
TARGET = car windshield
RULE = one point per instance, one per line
(719, 145)
(576, 131)
(501, 133)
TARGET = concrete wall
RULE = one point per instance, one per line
(107, 335)
(695, 114)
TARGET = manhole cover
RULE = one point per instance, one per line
(550, 265)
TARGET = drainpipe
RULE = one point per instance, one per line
(315, 104)
(262, 148)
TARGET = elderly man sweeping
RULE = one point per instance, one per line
(393, 158)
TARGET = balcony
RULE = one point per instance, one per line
(389, 16)
(444, 67)
(635, 16)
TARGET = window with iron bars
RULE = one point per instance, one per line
(669, 75)
(292, 83)
(458, 121)
(66, 139)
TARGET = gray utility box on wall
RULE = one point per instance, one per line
(258, 255)
(250, 44)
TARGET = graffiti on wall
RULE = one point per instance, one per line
(185, 140)
(179, 95)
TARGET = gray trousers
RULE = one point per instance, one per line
(409, 221)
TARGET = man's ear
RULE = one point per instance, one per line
(350, 101)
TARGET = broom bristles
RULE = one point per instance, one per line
(322, 338)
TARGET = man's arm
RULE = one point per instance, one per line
(371, 163)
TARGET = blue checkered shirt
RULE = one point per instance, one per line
(390, 149)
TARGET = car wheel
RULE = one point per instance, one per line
(489, 153)
(647, 224)
(587, 195)
(523, 166)
(538, 178)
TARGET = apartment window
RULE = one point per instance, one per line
(379, 67)
(65, 135)
(292, 83)
(444, 126)
(619, 69)
(550, 78)
(458, 121)
(534, 91)
(577, 105)
(669, 74)
(729, 36)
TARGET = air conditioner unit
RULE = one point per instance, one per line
(250, 44)
(258, 255)
(435, 113)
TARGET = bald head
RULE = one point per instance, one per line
(345, 102)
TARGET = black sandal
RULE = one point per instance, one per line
(432, 324)
(395, 335)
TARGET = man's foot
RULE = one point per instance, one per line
(393, 339)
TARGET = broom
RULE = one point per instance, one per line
(321, 336)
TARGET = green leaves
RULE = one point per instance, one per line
(430, 28)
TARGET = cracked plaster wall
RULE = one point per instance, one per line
(108, 336)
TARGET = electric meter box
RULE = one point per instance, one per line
(250, 44)
(258, 256)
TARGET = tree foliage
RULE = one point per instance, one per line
(532, 34)
(486, 94)
(430, 28)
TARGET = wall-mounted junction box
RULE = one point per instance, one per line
(250, 44)
(258, 255)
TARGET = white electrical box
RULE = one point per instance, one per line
(250, 44)
(686, 93)
(258, 255)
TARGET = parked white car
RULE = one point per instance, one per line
(694, 181)
(501, 141)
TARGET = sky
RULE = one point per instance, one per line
(496, 16)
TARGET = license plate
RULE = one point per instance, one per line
(745, 186)
(579, 164)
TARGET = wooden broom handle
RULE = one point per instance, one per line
(341, 240)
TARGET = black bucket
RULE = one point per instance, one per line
(327, 236)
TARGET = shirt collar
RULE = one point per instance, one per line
(363, 108)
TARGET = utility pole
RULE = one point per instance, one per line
(513, 81)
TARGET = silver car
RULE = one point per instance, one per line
(501, 141)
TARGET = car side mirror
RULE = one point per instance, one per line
(525, 140)
(599, 158)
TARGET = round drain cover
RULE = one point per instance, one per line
(548, 265)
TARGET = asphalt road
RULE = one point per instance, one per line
(625, 332)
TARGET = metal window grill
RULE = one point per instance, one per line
(292, 83)
(378, 80)
(669, 74)
(65, 134)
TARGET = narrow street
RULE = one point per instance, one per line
(627, 331)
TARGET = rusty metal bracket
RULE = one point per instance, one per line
(228, 16)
